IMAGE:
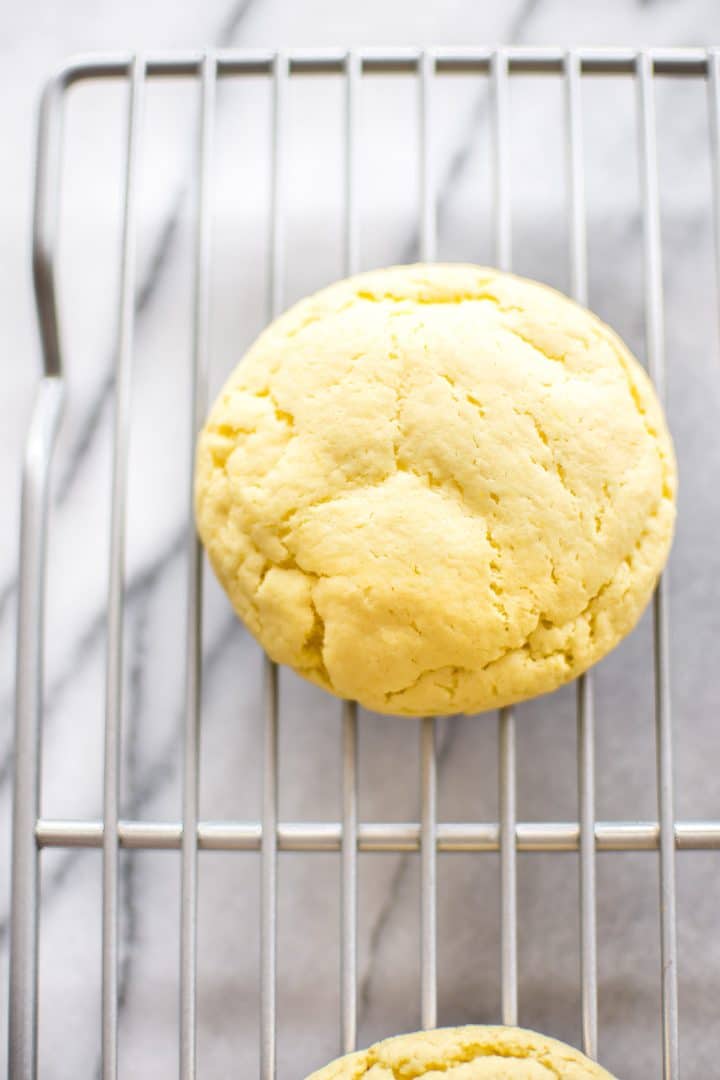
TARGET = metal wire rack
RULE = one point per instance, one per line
(32, 833)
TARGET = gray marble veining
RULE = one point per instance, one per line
(310, 732)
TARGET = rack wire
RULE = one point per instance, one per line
(32, 833)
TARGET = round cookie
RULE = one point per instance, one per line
(466, 1053)
(437, 489)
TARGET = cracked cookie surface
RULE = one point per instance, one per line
(466, 1053)
(437, 489)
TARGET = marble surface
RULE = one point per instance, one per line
(37, 36)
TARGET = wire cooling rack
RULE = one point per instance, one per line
(32, 833)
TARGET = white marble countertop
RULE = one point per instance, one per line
(38, 35)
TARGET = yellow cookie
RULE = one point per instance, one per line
(466, 1053)
(437, 489)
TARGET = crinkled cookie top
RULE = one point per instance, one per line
(437, 489)
(466, 1053)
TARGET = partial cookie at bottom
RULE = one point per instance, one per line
(466, 1053)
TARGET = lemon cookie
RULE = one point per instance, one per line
(437, 489)
(466, 1053)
